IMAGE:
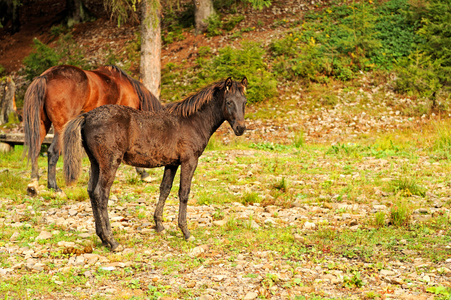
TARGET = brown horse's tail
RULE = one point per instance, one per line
(72, 149)
(33, 103)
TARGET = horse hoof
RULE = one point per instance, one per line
(161, 232)
(32, 188)
(159, 229)
(117, 248)
(191, 238)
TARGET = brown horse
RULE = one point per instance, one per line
(63, 92)
(174, 137)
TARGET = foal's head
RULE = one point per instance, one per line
(234, 104)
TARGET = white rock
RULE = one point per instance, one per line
(250, 296)
(309, 225)
(220, 223)
(387, 273)
(44, 235)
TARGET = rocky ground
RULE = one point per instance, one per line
(221, 275)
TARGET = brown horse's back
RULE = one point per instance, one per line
(71, 91)
(67, 91)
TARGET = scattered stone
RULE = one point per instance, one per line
(220, 222)
(250, 296)
(44, 235)
(309, 226)
(387, 273)
(191, 284)
(14, 237)
(197, 251)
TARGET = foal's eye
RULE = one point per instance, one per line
(229, 103)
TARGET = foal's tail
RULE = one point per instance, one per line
(72, 149)
(33, 104)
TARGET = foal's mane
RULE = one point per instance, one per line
(147, 101)
(194, 103)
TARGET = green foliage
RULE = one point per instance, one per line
(232, 22)
(440, 290)
(435, 19)
(250, 198)
(214, 26)
(418, 75)
(379, 219)
(341, 41)
(400, 214)
(406, 186)
(2, 70)
(175, 21)
(237, 63)
(259, 4)
(353, 282)
(42, 58)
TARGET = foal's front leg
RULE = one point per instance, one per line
(99, 201)
(165, 189)
(186, 177)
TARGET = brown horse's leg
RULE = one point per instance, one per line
(43, 129)
(165, 189)
(32, 188)
(99, 203)
(53, 155)
(186, 175)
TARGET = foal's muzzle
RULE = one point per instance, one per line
(239, 128)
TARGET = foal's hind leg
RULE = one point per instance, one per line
(99, 189)
(165, 189)
(53, 155)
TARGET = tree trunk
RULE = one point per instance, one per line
(203, 9)
(150, 65)
(7, 100)
(9, 15)
(77, 12)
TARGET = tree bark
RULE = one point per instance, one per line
(150, 65)
(7, 100)
(77, 12)
(203, 9)
(9, 15)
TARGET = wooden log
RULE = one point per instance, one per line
(18, 139)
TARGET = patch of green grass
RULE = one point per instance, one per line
(250, 198)
(407, 186)
(400, 214)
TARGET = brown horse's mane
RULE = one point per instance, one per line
(194, 103)
(148, 102)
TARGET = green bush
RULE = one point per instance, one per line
(435, 30)
(42, 58)
(418, 75)
(237, 63)
(214, 26)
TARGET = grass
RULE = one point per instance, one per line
(405, 170)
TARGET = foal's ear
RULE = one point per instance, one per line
(228, 83)
(244, 81)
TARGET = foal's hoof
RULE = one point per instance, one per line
(117, 248)
(159, 229)
(191, 238)
(114, 246)
(32, 188)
